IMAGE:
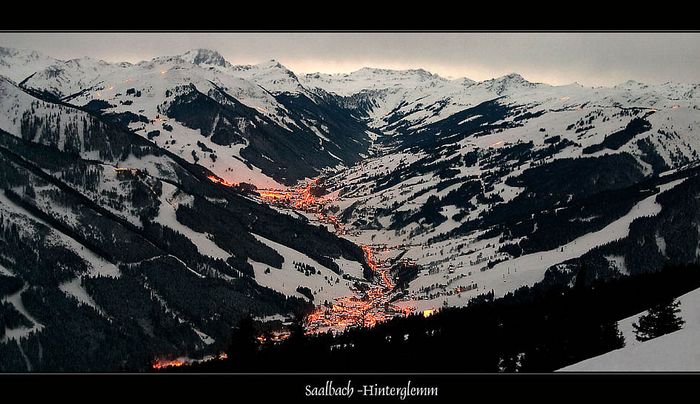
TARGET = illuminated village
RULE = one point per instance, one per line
(370, 304)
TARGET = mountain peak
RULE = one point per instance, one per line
(204, 57)
(631, 84)
(273, 64)
(466, 82)
(422, 72)
(271, 75)
(14, 52)
(383, 71)
(507, 82)
(513, 78)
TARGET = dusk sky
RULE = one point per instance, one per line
(555, 58)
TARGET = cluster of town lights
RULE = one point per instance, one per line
(366, 307)
(163, 363)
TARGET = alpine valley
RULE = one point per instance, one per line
(149, 212)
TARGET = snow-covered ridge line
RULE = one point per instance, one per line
(212, 58)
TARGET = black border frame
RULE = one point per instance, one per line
(455, 387)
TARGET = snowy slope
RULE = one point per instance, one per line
(416, 98)
(373, 79)
(18, 64)
(678, 351)
(146, 91)
(271, 76)
(105, 233)
(430, 135)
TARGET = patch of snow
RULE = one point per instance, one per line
(287, 279)
(677, 351)
(21, 332)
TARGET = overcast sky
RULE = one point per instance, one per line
(555, 58)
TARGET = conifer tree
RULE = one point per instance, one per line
(661, 319)
(244, 344)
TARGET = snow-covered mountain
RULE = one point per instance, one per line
(18, 64)
(493, 183)
(108, 239)
(270, 75)
(256, 106)
(471, 186)
(205, 57)
(367, 79)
